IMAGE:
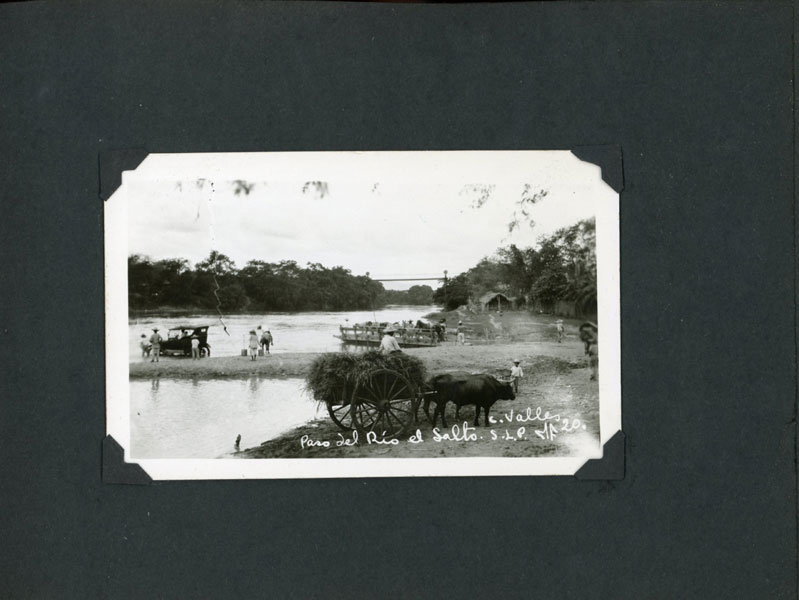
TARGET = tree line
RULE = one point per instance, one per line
(562, 266)
(258, 286)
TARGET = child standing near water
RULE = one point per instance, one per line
(516, 374)
(144, 345)
(253, 345)
(195, 348)
(266, 340)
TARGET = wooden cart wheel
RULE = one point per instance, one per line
(340, 413)
(385, 404)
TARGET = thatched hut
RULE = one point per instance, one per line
(495, 301)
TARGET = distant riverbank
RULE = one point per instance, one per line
(186, 311)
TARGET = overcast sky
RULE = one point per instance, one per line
(388, 228)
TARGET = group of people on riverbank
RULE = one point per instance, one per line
(260, 341)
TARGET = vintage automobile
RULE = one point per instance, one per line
(178, 340)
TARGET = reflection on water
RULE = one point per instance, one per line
(175, 418)
(296, 332)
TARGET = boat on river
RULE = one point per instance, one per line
(370, 335)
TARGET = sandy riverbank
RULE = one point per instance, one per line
(274, 365)
(446, 357)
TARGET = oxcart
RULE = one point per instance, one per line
(385, 403)
(370, 393)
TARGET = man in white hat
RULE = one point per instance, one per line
(155, 343)
(461, 333)
(516, 374)
(388, 344)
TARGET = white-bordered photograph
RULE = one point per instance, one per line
(362, 314)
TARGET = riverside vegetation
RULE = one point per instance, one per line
(561, 266)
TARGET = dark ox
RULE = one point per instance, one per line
(463, 389)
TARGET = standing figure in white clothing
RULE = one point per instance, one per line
(516, 374)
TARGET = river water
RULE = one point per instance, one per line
(180, 418)
(292, 332)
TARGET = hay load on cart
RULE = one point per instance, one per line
(369, 392)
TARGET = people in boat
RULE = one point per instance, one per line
(388, 344)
